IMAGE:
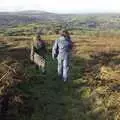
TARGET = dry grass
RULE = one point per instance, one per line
(96, 91)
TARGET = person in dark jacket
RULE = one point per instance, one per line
(61, 50)
(38, 53)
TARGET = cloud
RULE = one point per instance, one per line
(62, 5)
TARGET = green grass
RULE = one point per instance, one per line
(51, 98)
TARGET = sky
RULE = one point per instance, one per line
(62, 6)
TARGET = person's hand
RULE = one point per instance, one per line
(54, 56)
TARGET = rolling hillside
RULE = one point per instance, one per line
(76, 21)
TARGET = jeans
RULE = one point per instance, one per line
(63, 68)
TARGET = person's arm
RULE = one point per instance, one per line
(32, 53)
(55, 49)
(70, 44)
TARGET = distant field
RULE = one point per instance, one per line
(82, 43)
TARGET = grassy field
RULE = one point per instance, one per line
(93, 93)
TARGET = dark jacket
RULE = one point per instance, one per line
(39, 47)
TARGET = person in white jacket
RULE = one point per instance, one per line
(61, 50)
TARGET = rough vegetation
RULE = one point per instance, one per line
(93, 93)
(25, 23)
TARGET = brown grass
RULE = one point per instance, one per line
(102, 70)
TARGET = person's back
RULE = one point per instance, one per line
(61, 50)
(63, 47)
(39, 47)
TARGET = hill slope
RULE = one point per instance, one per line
(76, 21)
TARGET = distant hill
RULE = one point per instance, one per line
(23, 17)
(102, 21)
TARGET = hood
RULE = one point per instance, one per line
(62, 38)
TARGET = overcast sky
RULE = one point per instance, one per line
(62, 6)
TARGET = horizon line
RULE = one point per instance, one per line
(15, 11)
